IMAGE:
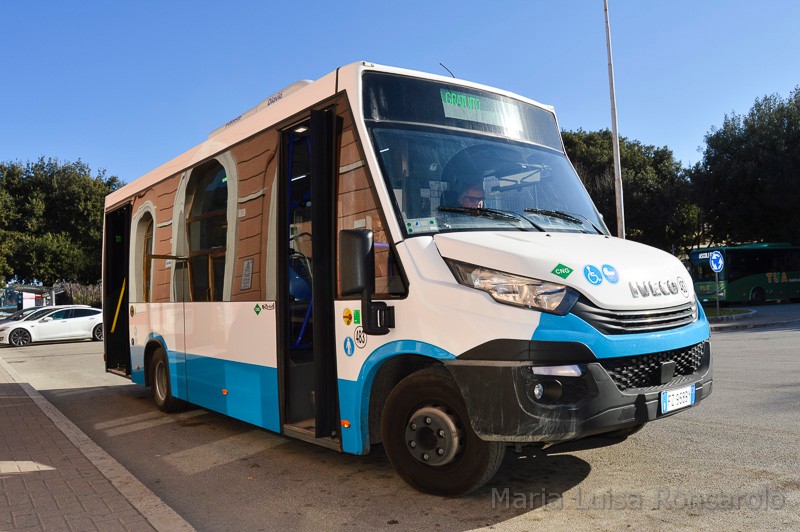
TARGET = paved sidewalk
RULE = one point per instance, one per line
(53, 477)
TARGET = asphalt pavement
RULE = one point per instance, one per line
(54, 477)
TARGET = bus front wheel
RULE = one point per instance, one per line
(160, 383)
(429, 440)
(757, 296)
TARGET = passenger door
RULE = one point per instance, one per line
(54, 326)
(308, 353)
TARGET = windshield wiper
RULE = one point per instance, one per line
(566, 216)
(494, 214)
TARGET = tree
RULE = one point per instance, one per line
(51, 221)
(658, 196)
(748, 182)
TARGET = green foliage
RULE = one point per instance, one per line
(657, 194)
(51, 221)
(748, 183)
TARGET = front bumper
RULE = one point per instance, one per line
(610, 394)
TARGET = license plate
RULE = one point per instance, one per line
(672, 400)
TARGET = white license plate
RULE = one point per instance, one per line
(672, 400)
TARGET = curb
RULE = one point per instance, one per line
(734, 317)
(152, 508)
(742, 326)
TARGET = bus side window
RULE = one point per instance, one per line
(357, 208)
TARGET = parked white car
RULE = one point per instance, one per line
(71, 322)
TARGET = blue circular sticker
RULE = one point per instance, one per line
(610, 273)
(349, 346)
(592, 274)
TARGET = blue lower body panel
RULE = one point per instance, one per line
(243, 391)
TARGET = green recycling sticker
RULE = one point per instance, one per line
(562, 271)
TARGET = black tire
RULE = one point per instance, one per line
(468, 462)
(758, 296)
(160, 383)
(19, 338)
(97, 332)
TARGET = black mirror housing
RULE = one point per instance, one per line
(357, 261)
(357, 276)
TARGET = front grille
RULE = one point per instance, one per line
(635, 321)
(645, 370)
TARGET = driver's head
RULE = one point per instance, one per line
(466, 171)
(471, 196)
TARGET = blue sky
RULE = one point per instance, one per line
(127, 85)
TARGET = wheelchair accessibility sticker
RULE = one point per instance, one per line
(592, 274)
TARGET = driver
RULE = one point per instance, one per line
(471, 196)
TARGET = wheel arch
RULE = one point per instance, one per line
(31, 336)
(149, 349)
(387, 376)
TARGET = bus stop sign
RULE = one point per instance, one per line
(716, 261)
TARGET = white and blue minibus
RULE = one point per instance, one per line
(384, 256)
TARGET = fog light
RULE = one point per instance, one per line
(547, 391)
(538, 391)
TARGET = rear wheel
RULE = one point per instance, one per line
(160, 383)
(97, 332)
(19, 337)
(429, 440)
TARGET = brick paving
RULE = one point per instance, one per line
(46, 482)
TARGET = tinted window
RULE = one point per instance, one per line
(60, 314)
(389, 97)
(84, 312)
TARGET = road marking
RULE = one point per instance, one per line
(204, 457)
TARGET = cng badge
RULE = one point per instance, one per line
(562, 271)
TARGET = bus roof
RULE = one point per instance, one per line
(753, 246)
(293, 99)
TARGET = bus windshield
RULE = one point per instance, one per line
(462, 159)
(701, 270)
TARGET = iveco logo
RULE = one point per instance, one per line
(658, 288)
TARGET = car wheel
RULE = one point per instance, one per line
(160, 383)
(429, 440)
(97, 332)
(19, 337)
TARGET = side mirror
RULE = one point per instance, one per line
(46, 319)
(357, 276)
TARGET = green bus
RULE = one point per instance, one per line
(753, 273)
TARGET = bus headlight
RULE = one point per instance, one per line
(515, 290)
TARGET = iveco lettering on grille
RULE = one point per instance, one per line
(655, 288)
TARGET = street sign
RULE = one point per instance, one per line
(716, 261)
